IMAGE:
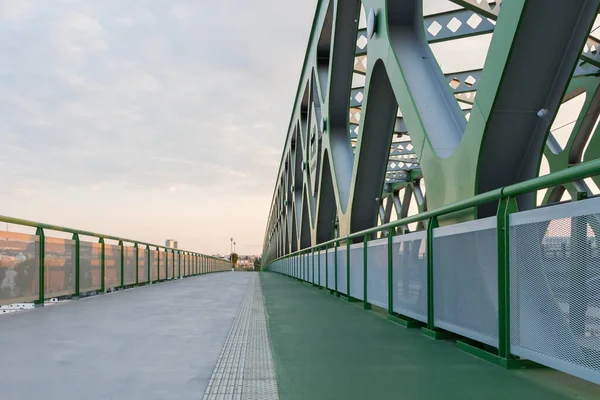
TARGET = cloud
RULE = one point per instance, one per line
(175, 105)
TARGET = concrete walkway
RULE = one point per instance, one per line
(325, 348)
(155, 342)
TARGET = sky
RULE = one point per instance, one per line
(158, 119)
(148, 119)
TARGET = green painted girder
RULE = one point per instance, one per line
(330, 189)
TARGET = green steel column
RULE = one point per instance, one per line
(366, 304)
(157, 264)
(137, 264)
(390, 272)
(122, 264)
(103, 267)
(41, 279)
(77, 264)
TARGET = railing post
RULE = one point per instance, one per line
(42, 268)
(506, 206)
(390, 272)
(77, 264)
(122, 264)
(430, 330)
(348, 268)
(319, 267)
(157, 264)
(103, 267)
(366, 304)
(149, 266)
(137, 264)
(326, 266)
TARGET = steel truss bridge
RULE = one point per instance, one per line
(458, 201)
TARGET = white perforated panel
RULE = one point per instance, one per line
(555, 287)
(331, 268)
(465, 279)
(342, 270)
(322, 270)
(357, 273)
(409, 273)
(377, 272)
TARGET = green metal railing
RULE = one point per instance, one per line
(156, 257)
(507, 204)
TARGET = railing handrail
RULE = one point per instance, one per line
(576, 172)
(58, 228)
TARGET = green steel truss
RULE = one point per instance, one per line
(375, 117)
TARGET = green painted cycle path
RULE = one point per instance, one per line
(325, 348)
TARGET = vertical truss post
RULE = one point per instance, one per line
(430, 330)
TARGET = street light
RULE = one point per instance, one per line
(234, 247)
(231, 246)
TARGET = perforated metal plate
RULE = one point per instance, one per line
(322, 270)
(555, 287)
(377, 272)
(357, 273)
(409, 273)
(465, 279)
(331, 268)
(245, 369)
(342, 281)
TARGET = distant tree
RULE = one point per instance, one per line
(234, 259)
(257, 264)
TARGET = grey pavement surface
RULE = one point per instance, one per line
(153, 342)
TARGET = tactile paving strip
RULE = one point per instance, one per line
(245, 367)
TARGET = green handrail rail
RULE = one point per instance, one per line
(576, 172)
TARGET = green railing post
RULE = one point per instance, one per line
(430, 330)
(319, 266)
(506, 206)
(103, 266)
(137, 264)
(42, 268)
(390, 272)
(366, 304)
(312, 260)
(77, 264)
(326, 266)
(157, 264)
(148, 265)
(122, 264)
(348, 269)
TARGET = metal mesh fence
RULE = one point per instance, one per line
(377, 272)
(19, 262)
(555, 287)
(112, 265)
(342, 270)
(129, 270)
(357, 273)
(465, 275)
(142, 265)
(331, 268)
(322, 269)
(90, 266)
(409, 275)
(153, 265)
(59, 279)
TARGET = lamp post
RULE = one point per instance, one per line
(234, 247)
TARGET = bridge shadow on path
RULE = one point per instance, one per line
(325, 348)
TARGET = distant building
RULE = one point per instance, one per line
(171, 243)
